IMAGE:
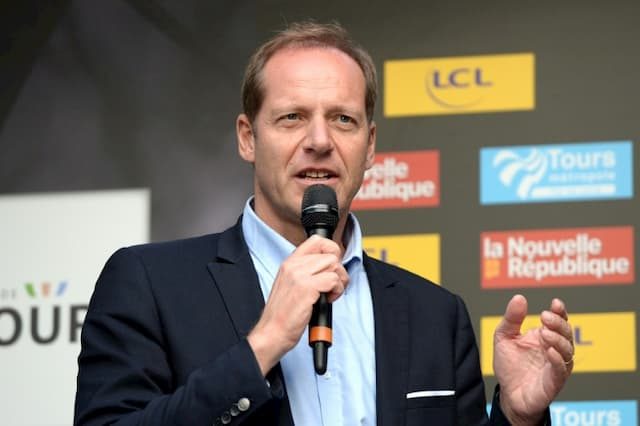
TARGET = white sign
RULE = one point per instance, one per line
(52, 248)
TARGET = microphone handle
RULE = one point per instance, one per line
(320, 333)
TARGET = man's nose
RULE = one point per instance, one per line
(318, 136)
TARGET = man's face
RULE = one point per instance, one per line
(311, 129)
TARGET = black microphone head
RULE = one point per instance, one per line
(319, 210)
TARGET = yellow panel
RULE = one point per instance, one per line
(459, 85)
(603, 341)
(418, 253)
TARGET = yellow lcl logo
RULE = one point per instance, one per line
(459, 85)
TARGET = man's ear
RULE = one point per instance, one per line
(246, 138)
(371, 145)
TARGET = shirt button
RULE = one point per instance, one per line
(225, 418)
(244, 404)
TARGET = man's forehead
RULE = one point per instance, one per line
(294, 57)
(316, 66)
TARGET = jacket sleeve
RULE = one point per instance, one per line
(125, 374)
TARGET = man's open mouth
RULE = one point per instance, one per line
(316, 174)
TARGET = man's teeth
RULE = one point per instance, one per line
(316, 175)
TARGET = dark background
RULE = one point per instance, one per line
(129, 93)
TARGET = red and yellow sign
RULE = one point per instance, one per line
(557, 257)
(401, 180)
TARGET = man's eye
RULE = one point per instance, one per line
(345, 119)
(291, 116)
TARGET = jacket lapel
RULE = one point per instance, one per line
(235, 277)
(391, 320)
(237, 281)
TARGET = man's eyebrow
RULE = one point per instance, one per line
(346, 110)
(291, 107)
(285, 109)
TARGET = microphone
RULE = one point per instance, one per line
(319, 217)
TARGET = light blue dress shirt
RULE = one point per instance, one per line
(346, 393)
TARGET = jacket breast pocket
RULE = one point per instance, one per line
(431, 410)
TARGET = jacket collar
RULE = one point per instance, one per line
(237, 280)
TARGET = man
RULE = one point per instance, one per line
(212, 330)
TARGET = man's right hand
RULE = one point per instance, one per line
(314, 267)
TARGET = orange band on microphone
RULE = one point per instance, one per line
(320, 334)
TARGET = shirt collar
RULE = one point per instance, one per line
(272, 248)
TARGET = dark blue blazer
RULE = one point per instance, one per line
(164, 343)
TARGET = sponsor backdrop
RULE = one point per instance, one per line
(508, 148)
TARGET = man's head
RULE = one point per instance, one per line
(309, 124)
(306, 34)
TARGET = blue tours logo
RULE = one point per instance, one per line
(593, 413)
(546, 173)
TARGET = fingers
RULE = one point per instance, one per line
(558, 307)
(560, 369)
(557, 323)
(559, 344)
(310, 264)
(316, 255)
(513, 317)
(557, 320)
(332, 283)
(314, 267)
(557, 333)
(318, 244)
(322, 272)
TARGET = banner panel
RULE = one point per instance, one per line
(593, 413)
(418, 253)
(53, 248)
(459, 85)
(545, 173)
(604, 342)
(557, 257)
(400, 180)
